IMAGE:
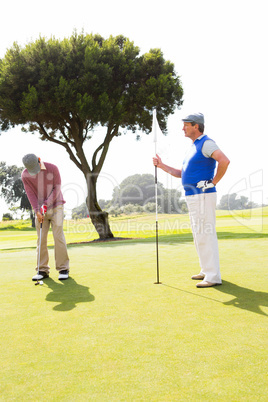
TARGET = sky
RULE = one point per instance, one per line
(219, 51)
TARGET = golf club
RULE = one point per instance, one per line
(39, 250)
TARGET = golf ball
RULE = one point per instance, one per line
(41, 282)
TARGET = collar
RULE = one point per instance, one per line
(42, 165)
(201, 136)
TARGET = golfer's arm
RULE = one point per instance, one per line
(53, 196)
(31, 195)
(223, 163)
(172, 171)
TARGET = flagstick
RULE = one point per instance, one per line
(155, 128)
(156, 229)
(156, 225)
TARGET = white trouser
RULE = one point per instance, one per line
(203, 222)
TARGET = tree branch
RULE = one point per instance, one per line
(67, 139)
(112, 131)
(63, 144)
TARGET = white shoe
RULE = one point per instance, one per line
(64, 274)
(198, 277)
(41, 275)
(206, 284)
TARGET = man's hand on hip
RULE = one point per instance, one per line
(205, 184)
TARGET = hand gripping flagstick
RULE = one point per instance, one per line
(155, 129)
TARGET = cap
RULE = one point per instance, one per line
(194, 118)
(31, 163)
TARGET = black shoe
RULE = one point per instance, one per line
(40, 276)
(64, 274)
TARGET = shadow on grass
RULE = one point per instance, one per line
(186, 237)
(68, 294)
(169, 238)
(244, 298)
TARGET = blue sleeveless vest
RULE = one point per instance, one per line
(197, 167)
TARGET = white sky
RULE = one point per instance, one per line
(219, 49)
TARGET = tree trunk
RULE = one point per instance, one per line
(101, 224)
(98, 217)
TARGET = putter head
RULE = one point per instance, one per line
(37, 283)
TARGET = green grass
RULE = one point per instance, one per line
(110, 334)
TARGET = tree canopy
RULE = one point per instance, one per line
(12, 189)
(64, 89)
(136, 194)
(11, 183)
(234, 201)
(136, 189)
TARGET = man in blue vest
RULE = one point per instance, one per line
(199, 180)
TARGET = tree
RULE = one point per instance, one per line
(80, 212)
(12, 189)
(136, 189)
(64, 89)
(140, 189)
(233, 201)
(136, 194)
(7, 217)
(10, 182)
(171, 202)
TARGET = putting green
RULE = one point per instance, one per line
(109, 333)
